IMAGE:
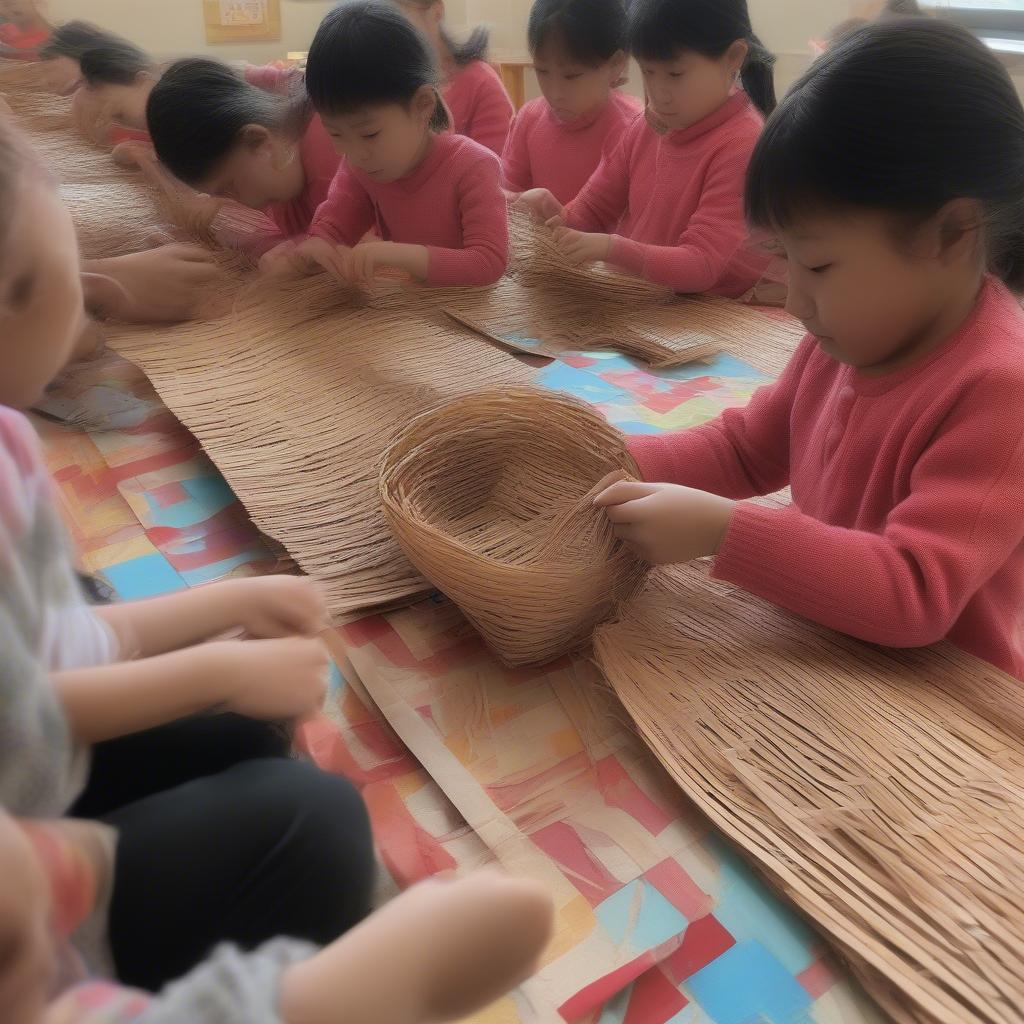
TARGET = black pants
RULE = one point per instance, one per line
(223, 837)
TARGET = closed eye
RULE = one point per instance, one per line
(822, 268)
(372, 135)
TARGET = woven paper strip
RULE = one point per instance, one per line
(883, 792)
(296, 397)
(549, 307)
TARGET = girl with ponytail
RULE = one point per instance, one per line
(893, 174)
(476, 99)
(434, 198)
(667, 203)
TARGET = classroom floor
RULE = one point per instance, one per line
(463, 762)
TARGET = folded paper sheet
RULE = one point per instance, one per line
(882, 791)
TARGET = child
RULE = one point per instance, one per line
(118, 77)
(479, 105)
(63, 51)
(667, 204)
(22, 28)
(439, 952)
(579, 56)
(435, 198)
(899, 422)
(265, 149)
(222, 836)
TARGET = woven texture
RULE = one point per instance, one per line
(567, 308)
(295, 396)
(882, 791)
(491, 497)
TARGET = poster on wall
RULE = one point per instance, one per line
(242, 21)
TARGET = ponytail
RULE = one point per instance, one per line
(441, 119)
(367, 52)
(476, 47)
(758, 76)
(661, 29)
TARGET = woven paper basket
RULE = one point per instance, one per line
(490, 497)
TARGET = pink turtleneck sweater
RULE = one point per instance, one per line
(545, 152)
(479, 105)
(452, 203)
(907, 521)
(674, 203)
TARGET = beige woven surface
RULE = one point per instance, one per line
(882, 792)
(569, 308)
(490, 496)
(295, 397)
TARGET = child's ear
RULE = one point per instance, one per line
(424, 103)
(736, 56)
(955, 230)
(254, 137)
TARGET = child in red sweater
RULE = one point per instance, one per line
(479, 105)
(118, 77)
(579, 55)
(435, 199)
(22, 28)
(899, 422)
(667, 204)
(253, 138)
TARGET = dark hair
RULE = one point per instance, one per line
(473, 48)
(902, 116)
(659, 29)
(199, 106)
(114, 62)
(74, 38)
(365, 52)
(901, 9)
(588, 31)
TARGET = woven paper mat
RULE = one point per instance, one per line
(552, 320)
(295, 397)
(883, 792)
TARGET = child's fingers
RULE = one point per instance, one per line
(623, 491)
(555, 222)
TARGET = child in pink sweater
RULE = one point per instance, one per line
(435, 199)
(254, 139)
(899, 422)
(667, 204)
(579, 55)
(479, 105)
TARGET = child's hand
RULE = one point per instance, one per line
(159, 285)
(284, 261)
(27, 953)
(665, 523)
(269, 607)
(316, 253)
(133, 154)
(365, 259)
(272, 680)
(582, 247)
(540, 204)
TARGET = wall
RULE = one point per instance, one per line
(785, 27)
(171, 28)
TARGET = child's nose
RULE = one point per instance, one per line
(799, 304)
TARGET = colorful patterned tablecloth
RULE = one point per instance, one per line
(462, 762)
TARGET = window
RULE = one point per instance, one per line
(999, 22)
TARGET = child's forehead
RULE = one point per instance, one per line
(361, 117)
